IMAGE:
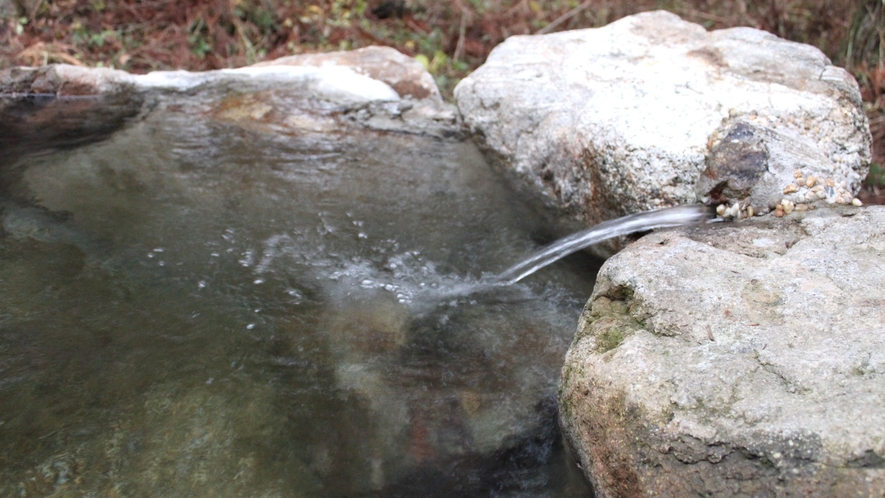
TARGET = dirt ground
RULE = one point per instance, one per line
(451, 37)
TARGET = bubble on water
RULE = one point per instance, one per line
(250, 326)
(247, 258)
(325, 227)
(161, 263)
(258, 281)
(201, 284)
(150, 255)
(362, 235)
(274, 247)
(158, 249)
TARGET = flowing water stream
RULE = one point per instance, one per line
(625, 225)
(202, 305)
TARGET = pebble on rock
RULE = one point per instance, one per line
(809, 189)
(787, 206)
(857, 202)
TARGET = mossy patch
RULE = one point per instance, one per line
(609, 339)
(610, 320)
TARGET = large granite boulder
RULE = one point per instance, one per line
(736, 360)
(652, 111)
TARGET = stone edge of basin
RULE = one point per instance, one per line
(376, 88)
(735, 360)
(362, 75)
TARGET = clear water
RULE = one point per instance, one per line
(202, 305)
(639, 222)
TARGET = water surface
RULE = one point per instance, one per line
(210, 303)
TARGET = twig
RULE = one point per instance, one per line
(32, 15)
(711, 17)
(462, 32)
(522, 4)
(563, 18)
(412, 24)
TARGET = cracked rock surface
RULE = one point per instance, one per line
(629, 117)
(736, 359)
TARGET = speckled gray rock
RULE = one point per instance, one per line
(736, 360)
(63, 80)
(625, 118)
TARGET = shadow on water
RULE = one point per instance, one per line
(35, 123)
(195, 305)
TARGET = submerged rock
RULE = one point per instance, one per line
(629, 117)
(735, 360)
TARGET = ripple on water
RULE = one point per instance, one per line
(322, 323)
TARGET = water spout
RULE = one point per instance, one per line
(639, 222)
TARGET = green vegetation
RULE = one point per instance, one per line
(876, 178)
(609, 338)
